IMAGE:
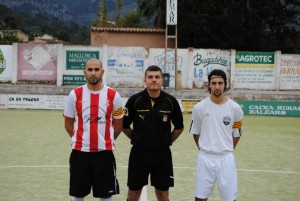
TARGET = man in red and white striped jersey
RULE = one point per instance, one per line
(93, 119)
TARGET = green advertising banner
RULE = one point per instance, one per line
(270, 108)
(254, 70)
(74, 80)
(76, 59)
(254, 59)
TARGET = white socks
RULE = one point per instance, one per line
(106, 199)
(77, 199)
(82, 199)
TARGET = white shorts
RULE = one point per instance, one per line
(212, 168)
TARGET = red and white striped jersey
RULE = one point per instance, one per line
(94, 112)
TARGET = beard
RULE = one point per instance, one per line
(217, 94)
(94, 81)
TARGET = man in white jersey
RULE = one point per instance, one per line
(216, 128)
(93, 119)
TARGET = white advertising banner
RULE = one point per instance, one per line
(157, 57)
(206, 60)
(125, 66)
(18, 101)
(255, 70)
(289, 72)
(3, 101)
(6, 63)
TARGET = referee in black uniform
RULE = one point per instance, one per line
(152, 112)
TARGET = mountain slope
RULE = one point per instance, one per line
(80, 11)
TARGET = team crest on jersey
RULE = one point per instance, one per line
(226, 120)
(126, 113)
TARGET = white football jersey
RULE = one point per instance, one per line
(214, 123)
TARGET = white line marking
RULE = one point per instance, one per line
(269, 171)
(33, 166)
(125, 166)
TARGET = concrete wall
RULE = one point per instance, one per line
(194, 94)
(124, 66)
(130, 37)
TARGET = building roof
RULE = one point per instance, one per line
(48, 39)
(13, 31)
(130, 30)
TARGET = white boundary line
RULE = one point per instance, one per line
(269, 171)
(122, 166)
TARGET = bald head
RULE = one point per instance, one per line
(93, 73)
(93, 62)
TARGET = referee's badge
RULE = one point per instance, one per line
(125, 111)
(165, 118)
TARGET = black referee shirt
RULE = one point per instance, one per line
(152, 118)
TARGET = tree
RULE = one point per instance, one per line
(7, 38)
(153, 9)
(102, 19)
(61, 34)
(242, 25)
(36, 31)
(132, 19)
(118, 11)
(10, 23)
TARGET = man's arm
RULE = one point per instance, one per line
(118, 126)
(237, 132)
(175, 134)
(237, 126)
(196, 139)
(69, 125)
(235, 141)
(128, 132)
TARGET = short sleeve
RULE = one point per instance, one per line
(196, 120)
(238, 115)
(118, 108)
(70, 109)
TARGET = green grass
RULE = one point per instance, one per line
(34, 154)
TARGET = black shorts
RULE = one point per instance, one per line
(156, 163)
(93, 169)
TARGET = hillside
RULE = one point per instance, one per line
(79, 11)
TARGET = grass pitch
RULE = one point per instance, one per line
(34, 154)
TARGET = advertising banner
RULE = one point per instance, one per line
(188, 105)
(157, 57)
(37, 61)
(19, 101)
(5, 62)
(289, 72)
(270, 108)
(74, 60)
(205, 60)
(74, 80)
(125, 66)
(3, 101)
(255, 70)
